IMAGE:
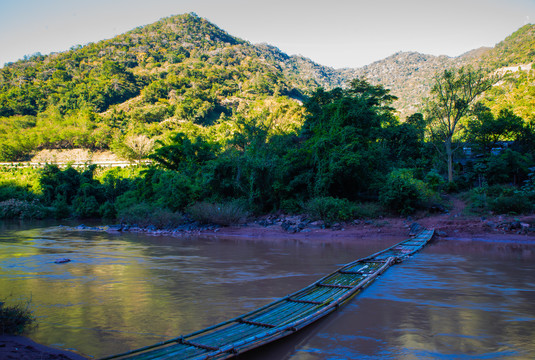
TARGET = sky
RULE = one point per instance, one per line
(336, 33)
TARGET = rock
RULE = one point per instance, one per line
(441, 233)
(302, 225)
(289, 227)
(114, 228)
(336, 226)
(320, 224)
(62, 260)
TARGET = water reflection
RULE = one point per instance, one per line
(455, 300)
(125, 291)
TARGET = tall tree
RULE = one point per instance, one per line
(452, 94)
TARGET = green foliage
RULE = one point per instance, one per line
(16, 319)
(182, 152)
(22, 209)
(501, 199)
(341, 156)
(174, 190)
(19, 183)
(452, 95)
(368, 210)
(225, 214)
(512, 203)
(515, 49)
(508, 167)
(143, 214)
(435, 181)
(330, 209)
(485, 131)
(403, 193)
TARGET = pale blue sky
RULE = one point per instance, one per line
(337, 33)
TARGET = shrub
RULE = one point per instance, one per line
(291, 206)
(15, 319)
(173, 190)
(370, 210)
(165, 218)
(434, 180)
(61, 209)
(229, 213)
(108, 210)
(143, 214)
(136, 214)
(477, 201)
(515, 203)
(22, 209)
(15, 192)
(86, 207)
(330, 209)
(403, 193)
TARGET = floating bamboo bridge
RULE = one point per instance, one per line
(282, 317)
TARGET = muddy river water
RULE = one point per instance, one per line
(456, 299)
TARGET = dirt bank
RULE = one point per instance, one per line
(22, 348)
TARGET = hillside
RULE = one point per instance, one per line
(146, 81)
(185, 70)
(409, 75)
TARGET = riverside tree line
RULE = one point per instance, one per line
(350, 158)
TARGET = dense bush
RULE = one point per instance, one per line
(403, 193)
(515, 203)
(22, 209)
(330, 209)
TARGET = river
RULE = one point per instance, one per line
(453, 300)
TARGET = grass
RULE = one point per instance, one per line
(16, 319)
(225, 214)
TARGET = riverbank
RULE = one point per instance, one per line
(452, 225)
(21, 348)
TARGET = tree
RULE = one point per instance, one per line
(452, 94)
(341, 155)
(137, 147)
(486, 131)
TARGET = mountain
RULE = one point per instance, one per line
(185, 70)
(409, 76)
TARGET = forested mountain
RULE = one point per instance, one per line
(185, 70)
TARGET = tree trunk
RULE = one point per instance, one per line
(449, 154)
